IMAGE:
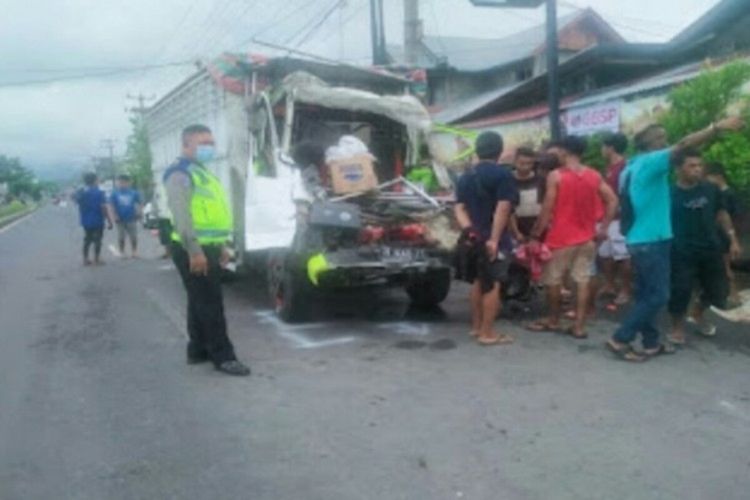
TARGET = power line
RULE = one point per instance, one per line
(322, 21)
(94, 74)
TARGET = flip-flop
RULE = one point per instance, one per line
(542, 327)
(662, 350)
(625, 353)
(676, 341)
(570, 332)
(497, 340)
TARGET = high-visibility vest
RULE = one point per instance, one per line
(209, 207)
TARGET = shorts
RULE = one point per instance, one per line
(578, 260)
(93, 235)
(479, 268)
(127, 228)
(614, 247)
(704, 269)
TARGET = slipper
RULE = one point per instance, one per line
(496, 340)
(542, 326)
(570, 332)
(676, 340)
(612, 307)
(473, 333)
(570, 314)
(707, 329)
(662, 350)
(625, 353)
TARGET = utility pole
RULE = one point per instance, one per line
(141, 99)
(552, 54)
(553, 73)
(109, 145)
(412, 32)
(377, 33)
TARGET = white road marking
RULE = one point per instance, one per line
(15, 223)
(166, 267)
(177, 319)
(298, 340)
(733, 410)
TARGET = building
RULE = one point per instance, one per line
(609, 86)
(463, 69)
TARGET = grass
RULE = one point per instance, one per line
(13, 208)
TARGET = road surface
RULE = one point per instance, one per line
(370, 401)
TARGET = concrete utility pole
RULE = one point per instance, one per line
(377, 33)
(412, 32)
(553, 81)
(553, 74)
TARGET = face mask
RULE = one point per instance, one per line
(204, 153)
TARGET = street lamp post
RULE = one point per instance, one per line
(553, 82)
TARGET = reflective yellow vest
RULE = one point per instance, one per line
(209, 207)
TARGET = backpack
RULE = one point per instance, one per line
(627, 212)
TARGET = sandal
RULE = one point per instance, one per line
(662, 350)
(496, 340)
(679, 341)
(625, 353)
(542, 326)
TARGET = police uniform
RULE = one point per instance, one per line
(202, 222)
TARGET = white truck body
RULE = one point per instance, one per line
(263, 207)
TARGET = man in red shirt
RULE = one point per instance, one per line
(614, 251)
(571, 210)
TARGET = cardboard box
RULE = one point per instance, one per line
(353, 175)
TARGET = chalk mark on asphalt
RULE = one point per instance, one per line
(114, 251)
(292, 333)
(733, 410)
(177, 319)
(407, 329)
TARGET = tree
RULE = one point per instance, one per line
(20, 180)
(138, 157)
(707, 99)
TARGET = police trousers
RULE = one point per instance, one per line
(206, 324)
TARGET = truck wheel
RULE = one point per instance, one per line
(431, 289)
(288, 290)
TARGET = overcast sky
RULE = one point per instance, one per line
(59, 125)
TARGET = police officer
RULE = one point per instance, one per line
(202, 222)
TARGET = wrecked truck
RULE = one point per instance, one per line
(309, 237)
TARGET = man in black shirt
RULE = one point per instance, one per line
(484, 200)
(716, 175)
(698, 213)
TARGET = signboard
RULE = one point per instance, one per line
(590, 120)
(518, 4)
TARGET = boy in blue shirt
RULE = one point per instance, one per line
(126, 208)
(92, 207)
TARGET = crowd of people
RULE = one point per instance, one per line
(630, 235)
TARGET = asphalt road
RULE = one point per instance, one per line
(370, 401)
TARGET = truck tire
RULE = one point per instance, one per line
(431, 289)
(288, 289)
